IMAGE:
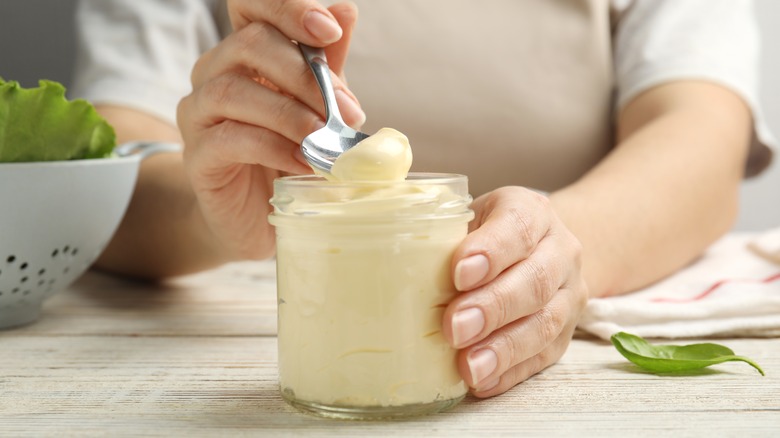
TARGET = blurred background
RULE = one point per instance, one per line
(36, 41)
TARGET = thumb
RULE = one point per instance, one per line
(346, 15)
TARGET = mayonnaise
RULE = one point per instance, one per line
(384, 156)
(364, 276)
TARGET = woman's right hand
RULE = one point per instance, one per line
(253, 101)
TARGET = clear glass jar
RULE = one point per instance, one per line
(364, 276)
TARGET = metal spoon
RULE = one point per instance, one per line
(323, 146)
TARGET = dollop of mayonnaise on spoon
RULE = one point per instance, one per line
(384, 156)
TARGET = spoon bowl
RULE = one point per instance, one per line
(323, 146)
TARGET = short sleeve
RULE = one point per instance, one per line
(657, 41)
(140, 53)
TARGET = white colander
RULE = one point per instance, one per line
(55, 219)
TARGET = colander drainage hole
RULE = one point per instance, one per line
(23, 266)
(66, 250)
(11, 259)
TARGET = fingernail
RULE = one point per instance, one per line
(349, 109)
(322, 27)
(482, 363)
(466, 324)
(470, 271)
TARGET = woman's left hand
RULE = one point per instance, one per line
(522, 291)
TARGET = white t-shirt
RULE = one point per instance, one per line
(504, 91)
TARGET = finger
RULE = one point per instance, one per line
(230, 143)
(260, 50)
(306, 21)
(510, 222)
(236, 97)
(521, 341)
(346, 14)
(521, 372)
(521, 290)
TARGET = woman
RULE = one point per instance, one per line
(637, 117)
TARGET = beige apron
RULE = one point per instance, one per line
(510, 92)
(507, 92)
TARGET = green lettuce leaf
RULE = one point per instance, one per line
(40, 124)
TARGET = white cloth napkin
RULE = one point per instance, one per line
(732, 290)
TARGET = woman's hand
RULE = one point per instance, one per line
(522, 291)
(253, 101)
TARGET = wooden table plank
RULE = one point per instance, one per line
(238, 299)
(197, 356)
(176, 384)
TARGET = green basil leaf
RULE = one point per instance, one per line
(674, 358)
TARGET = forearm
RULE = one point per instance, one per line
(163, 232)
(669, 189)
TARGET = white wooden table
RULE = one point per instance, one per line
(197, 356)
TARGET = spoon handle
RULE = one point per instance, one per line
(318, 63)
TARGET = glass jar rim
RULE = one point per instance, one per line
(416, 178)
(421, 196)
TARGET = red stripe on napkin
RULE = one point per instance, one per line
(713, 288)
